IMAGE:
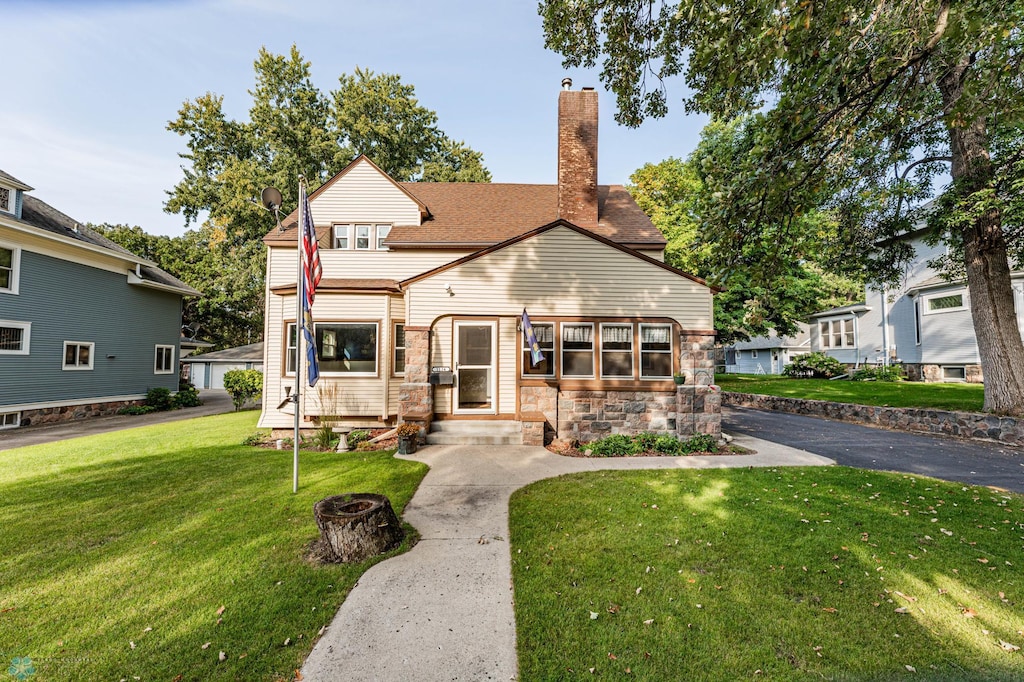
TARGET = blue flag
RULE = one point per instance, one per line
(536, 355)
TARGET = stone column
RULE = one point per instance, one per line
(698, 404)
(416, 395)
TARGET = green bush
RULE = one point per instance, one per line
(814, 366)
(700, 443)
(356, 438)
(324, 438)
(159, 398)
(667, 445)
(616, 445)
(256, 439)
(890, 373)
(186, 397)
(243, 385)
(136, 409)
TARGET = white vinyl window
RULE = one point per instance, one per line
(398, 359)
(292, 346)
(655, 351)
(838, 333)
(382, 234)
(78, 355)
(578, 350)
(164, 360)
(14, 337)
(954, 374)
(616, 351)
(10, 420)
(347, 348)
(342, 236)
(362, 242)
(10, 262)
(944, 303)
(545, 333)
(753, 355)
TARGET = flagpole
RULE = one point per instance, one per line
(300, 337)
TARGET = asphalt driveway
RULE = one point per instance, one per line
(969, 461)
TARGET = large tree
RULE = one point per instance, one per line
(292, 129)
(846, 100)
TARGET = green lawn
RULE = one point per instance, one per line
(965, 397)
(118, 552)
(826, 573)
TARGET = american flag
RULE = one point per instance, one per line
(312, 271)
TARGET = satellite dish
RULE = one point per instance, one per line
(271, 198)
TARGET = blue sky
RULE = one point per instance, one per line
(94, 84)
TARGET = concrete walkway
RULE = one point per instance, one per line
(443, 611)
(214, 402)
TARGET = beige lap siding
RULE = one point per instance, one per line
(560, 272)
(364, 195)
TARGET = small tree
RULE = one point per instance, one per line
(243, 385)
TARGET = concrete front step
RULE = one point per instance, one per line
(475, 432)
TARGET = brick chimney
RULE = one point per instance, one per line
(577, 155)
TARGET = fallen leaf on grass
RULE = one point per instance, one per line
(1008, 647)
(613, 656)
(910, 668)
(287, 641)
(907, 597)
(829, 609)
(131, 644)
(613, 608)
(222, 657)
(903, 609)
(969, 613)
(206, 646)
(593, 615)
(648, 621)
(220, 611)
(982, 561)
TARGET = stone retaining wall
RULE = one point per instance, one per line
(1006, 430)
(68, 413)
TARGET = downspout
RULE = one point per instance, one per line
(885, 329)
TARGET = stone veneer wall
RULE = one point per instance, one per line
(933, 373)
(416, 395)
(963, 424)
(68, 413)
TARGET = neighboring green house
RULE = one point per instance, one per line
(85, 326)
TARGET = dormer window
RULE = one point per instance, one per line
(361, 236)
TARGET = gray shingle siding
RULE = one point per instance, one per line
(68, 301)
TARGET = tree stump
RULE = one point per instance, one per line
(357, 526)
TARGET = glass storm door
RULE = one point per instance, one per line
(474, 368)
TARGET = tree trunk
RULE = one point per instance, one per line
(985, 257)
(357, 526)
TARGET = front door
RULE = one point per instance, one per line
(474, 367)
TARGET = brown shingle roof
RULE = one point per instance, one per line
(476, 215)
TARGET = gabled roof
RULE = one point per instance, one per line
(843, 310)
(476, 215)
(542, 230)
(40, 215)
(11, 180)
(250, 353)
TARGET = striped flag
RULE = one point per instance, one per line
(312, 271)
(536, 355)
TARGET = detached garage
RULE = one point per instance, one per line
(207, 370)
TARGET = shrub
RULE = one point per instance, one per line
(367, 446)
(814, 366)
(646, 440)
(890, 373)
(255, 439)
(700, 443)
(667, 445)
(616, 445)
(186, 397)
(159, 398)
(324, 438)
(243, 385)
(136, 409)
(356, 438)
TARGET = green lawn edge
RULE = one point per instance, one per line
(956, 397)
(767, 574)
(120, 550)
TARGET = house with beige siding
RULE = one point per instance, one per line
(419, 315)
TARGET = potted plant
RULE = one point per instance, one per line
(679, 378)
(408, 438)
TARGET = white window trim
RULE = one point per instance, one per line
(370, 237)
(17, 420)
(928, 298)
(378, 239)
(15, 269)
(561, 350)
(78, 368)
(394, 348)
(671, 351)
(842, 333)
(347, 229)
(956, 380)
(753, 354)
(26, 337)
(524, 348)
(156, 359)
(288, 348)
